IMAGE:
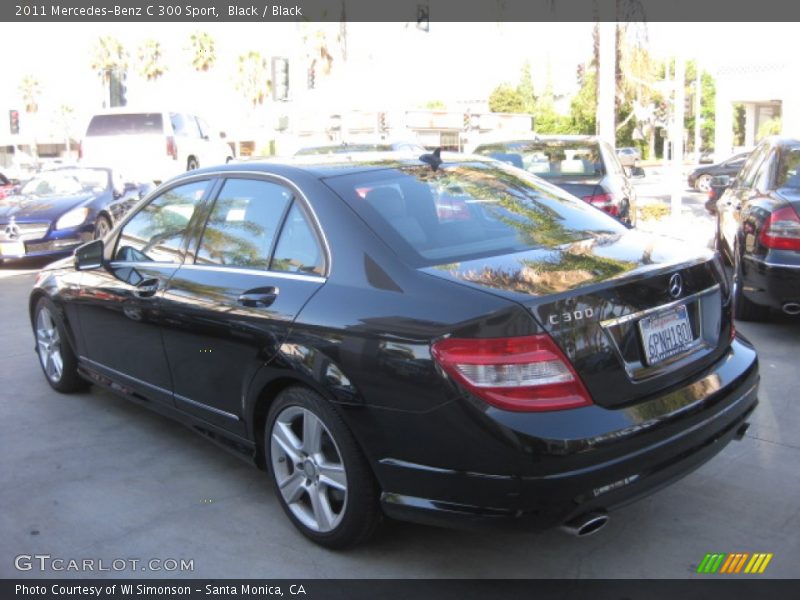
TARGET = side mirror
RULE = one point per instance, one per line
(721, 181)
(89, 256)
(636, 172)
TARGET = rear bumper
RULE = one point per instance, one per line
(568, 477)
(771, 284)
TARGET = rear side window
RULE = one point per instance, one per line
(297, 250)
(156, 233)
(243, 224)
(788, 173)
(466, 211)
(126, 124)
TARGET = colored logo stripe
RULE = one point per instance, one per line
(724, 563)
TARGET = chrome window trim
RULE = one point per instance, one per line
(262, 272)
(217, 411)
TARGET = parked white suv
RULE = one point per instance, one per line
(152, 146)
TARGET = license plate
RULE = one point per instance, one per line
(12, 249)
(665, 334)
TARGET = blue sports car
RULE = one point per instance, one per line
(60, 209)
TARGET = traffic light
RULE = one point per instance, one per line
(382, 124)
(13, 121)
(423, 17)
(311, 77)
(280, 79)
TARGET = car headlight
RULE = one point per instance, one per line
(73, 218)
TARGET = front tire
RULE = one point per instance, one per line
(192, 164)
(101, 227)
(320, 477)
(58, 361)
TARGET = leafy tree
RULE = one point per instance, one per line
(505, 98)
(583, 110)
(770, 127)
(151, 66)
(203, 50)
(434, 105)
(525, 89)
(108, 55)
(252, 78)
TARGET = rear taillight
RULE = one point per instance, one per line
(604, 202)
(782, 230)
(172, 149)
(519, 373)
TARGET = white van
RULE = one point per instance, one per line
(151, 146)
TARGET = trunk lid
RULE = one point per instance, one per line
(592, 295)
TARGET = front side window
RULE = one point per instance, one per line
(243, 224)
(156, 233)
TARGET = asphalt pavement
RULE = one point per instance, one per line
(92, 476)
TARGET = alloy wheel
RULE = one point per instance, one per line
(308, 469)
(48, 344)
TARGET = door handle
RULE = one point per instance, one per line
(146, 289)
(259, 297)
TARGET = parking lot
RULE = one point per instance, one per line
(92, 476)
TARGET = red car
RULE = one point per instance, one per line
(6, 186)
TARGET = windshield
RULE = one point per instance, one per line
(550, 159)
(466, 211)
(67, 182)
(788, 175)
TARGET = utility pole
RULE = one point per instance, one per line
(677, 133)
(698, 118)
(607, 83)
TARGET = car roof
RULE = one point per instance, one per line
(330, 165)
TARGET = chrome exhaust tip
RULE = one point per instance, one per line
(586, 524)
(791, 308)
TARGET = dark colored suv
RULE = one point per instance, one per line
(445, 341)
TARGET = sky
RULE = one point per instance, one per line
(389, 64)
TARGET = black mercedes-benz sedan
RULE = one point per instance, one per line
(758, 230)
(443, 341)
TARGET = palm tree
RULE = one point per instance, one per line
(107, 56)
(30, 90)
(150, 56)
(203, 51)
(252, 78)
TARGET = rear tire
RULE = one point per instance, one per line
(703, 183)
(319, 474)
(56, 357)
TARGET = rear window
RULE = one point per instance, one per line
(550, 158)
(467, 211)
(788, 174)
(125, 124)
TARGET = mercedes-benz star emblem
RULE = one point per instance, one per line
(12, 230)
(676, 285)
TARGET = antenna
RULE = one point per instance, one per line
(433, 159)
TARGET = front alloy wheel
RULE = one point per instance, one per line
(58, 361)
(48, 343)
(322, 479)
